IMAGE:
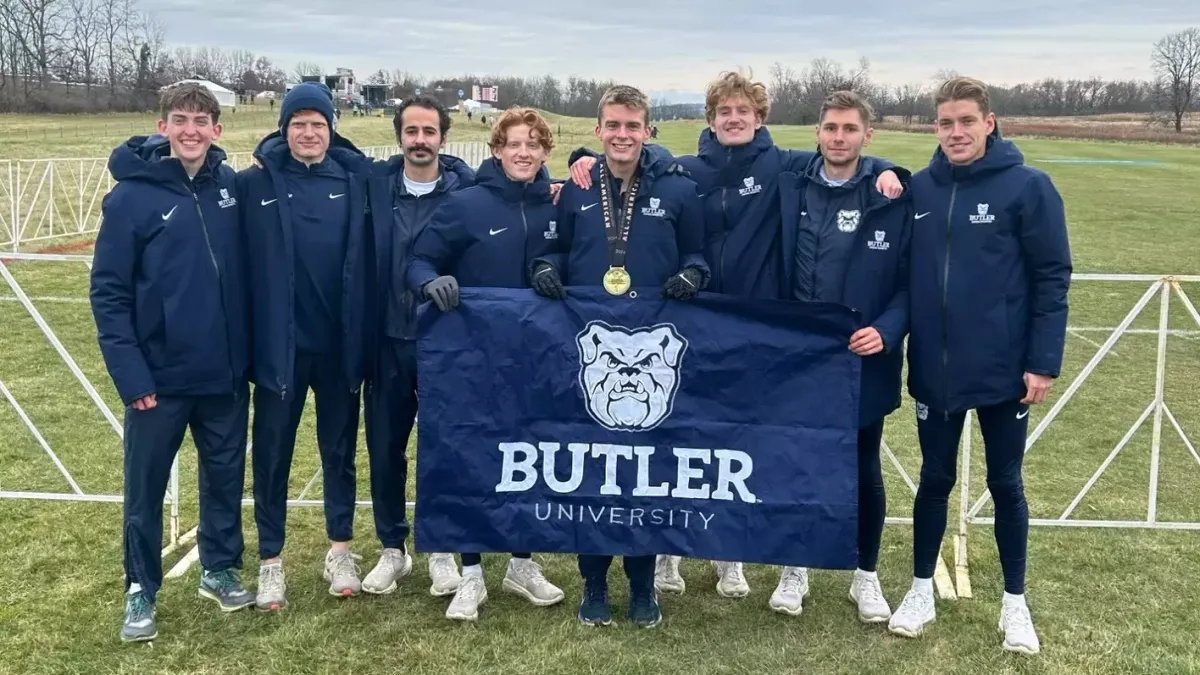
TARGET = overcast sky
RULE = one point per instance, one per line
(679, 45)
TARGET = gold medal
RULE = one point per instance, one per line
(616, 281)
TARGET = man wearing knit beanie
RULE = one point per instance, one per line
(304, 207)
(307, 96)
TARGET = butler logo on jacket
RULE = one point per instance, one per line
(667, 233)
(167, 287)
(849, 244)
(990, 270)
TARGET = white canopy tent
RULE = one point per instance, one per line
(226, 97)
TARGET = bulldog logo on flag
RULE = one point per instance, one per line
(629, 377)
(718, 428)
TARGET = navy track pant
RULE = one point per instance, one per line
(152, 440)
(391, 411)
(1003, 427)
(275, 422)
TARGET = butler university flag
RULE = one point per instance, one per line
(719, 428)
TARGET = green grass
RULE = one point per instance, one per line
(1105, 601)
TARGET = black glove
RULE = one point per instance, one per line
(683, 286)
(443, 291)
(546, 283)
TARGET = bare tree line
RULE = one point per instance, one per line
(1174, 91)
(91, 55)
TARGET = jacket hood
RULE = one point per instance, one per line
(491, 176)
(869, 169)
(719, 156)
(139, 158)
(454, 171)
(1000, 154)
(273, 148)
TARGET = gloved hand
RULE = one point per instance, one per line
(546, 283)
(683, 286)
(443, 291)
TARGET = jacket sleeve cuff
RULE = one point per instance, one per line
(133, 388)
(579, 153)
(696, 261)
(1041, 370)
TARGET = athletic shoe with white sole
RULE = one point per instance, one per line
(139, 625)
(867, 594)
(731, 583)
(914, 614)
(1017, 625)
(789, 595)
(470, 595)
(394, 564)
(666, 575)
(443, 574)
(524, 578)
(341, 571)
(225, 587)
(272, 589)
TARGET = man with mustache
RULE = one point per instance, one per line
(991, 261)
(639, 229)
(486, 236)
(404, 192)
(303, 210)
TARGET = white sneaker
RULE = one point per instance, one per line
(272, 590)
(341, 571)
(789, 595)
(1017, 625)
(443, 573)
(868, 595)
(524, 577)
(394, 564)
(666, 575)
(915, 612)
(730, 581)
(470, 595)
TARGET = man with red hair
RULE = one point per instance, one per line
(488, 235)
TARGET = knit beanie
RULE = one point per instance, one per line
(307, 96)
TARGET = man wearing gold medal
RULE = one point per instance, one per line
(637, 229)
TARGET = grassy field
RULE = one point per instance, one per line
(1105, 601)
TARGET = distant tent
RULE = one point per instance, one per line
(225, 97)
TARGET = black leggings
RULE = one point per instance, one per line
(1003, 426)
(475, 558)
(872, 499)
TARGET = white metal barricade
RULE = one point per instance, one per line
(958, 586)
(42, 200)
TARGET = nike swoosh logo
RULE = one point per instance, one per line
(585, 208)
(496, 232)
(1022, 415)
(921, 215)
(269, 201)
(804, 213)
(333, 196)
(168, 213)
